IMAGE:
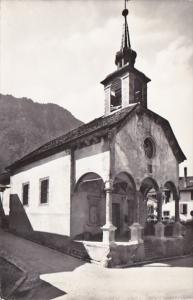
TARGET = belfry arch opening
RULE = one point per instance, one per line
(115, 95)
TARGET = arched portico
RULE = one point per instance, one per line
(170, 195)
(123, 203)
(172, 191)
(147, 184)
(149, 189)
(88, 207)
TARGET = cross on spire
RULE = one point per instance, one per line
(126, 39)
(126, 3)
(126, 55)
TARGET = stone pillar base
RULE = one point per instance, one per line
(108, 233)
(159, 229)
(136, 233)
(178, 230)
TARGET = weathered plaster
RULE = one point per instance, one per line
(130, 156)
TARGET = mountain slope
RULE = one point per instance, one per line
(26, 125)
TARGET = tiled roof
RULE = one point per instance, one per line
(97, 125)
(73, 135)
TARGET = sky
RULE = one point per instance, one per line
(59, 50)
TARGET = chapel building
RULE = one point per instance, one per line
(92, 183)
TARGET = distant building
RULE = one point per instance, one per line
(186, 200)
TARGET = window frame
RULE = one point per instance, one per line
(40, 184)
(166, 213)
(27, 183)
(184, 209)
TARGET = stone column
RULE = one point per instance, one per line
(108, 228)
(159, 226)
(136, 229)
(177, 210)
(178, 227)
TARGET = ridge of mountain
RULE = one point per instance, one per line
(26, 125)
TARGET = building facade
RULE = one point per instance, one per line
(92, 183)
(185, 203)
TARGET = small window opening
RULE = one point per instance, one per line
(25, 194)
(116, 95)
(138, 90)
(44, 184)
(166, 213)
(183, 209)
(149, 168)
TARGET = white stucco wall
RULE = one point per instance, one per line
(170, 206)
(185, 196)
(94, 158)
(54, 216)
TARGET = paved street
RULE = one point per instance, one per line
(168, 280)
(65, 277)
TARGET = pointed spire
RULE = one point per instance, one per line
(126, 55)
(126, 39)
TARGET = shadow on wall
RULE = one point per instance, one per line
(34, 259)
(18, 219)
(19, 224)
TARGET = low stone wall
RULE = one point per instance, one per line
(166, 247)
(125, 255)
(118, 253)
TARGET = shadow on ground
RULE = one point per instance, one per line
(183, 262)
(23, 261)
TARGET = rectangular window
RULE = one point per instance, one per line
(44, 186)
(25, 193)
(183, 209)
(191, 195)
(149, 168)
(166, 213)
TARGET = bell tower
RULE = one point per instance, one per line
(126, 85)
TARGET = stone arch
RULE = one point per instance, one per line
(90, 177)
(171, 202)
(148, 189)
(88, 207)
(123, 204)
(147, 184)
(171, 187)
(127, 178)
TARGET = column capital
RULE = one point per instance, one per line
(109, 185)
(138, 184)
